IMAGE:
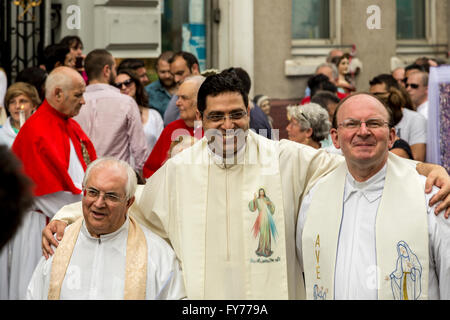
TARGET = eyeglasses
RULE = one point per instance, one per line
(109, 197)
(412, 85)
(127, 84)
(356, 124)
(220, 116)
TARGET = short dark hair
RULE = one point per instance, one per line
(72, 41)
(141, 95)
(388, 110)
(385, 78)
(320, 82)
(131, 63)
(55, 53)
(187, 56)
(243, 75)
(323, 98)
(36, 77)
(217, 84)
(95, 61)
(415, 66)
(15, 196)
(165, 56)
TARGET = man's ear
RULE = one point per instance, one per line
(195, 69)
(106, 71)
(309, 132)
(198, 116)
(59, 94)
(130, 202)
(334, 137)
(392, 135)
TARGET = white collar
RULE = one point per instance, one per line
(229, 162)
(371, 189)
(109, 236)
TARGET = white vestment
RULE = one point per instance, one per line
(356, 273)
(96, 270)
(202, 207)
(26, 245)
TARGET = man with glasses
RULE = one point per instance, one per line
(109, 118)
(381, 239)
(107, 254)
(187, 105)
(199, 201)
(417, 87)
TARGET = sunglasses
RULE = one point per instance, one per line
(127, 84)
(412, 85)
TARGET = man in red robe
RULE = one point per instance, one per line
(54, 152)
(187, 104)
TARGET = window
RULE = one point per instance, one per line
(184, 28)
(310, 19)
(411, 19)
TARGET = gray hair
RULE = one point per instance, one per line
(311, 115)
(332, 66)
(130, 187)
(197, 79)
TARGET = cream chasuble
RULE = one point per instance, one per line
(135, 266)
(402, 256)
(233, 226)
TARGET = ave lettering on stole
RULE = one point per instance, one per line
(317, 254)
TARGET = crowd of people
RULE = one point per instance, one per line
(178, 188)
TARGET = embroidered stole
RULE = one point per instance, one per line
(261, 171)
(135, 266)
(401, 235)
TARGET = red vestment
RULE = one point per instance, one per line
(307, 99)
(160, 151)
(42, 145)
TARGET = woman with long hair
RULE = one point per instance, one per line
(128, 83)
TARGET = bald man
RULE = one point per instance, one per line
(381, 239)
(55, 152)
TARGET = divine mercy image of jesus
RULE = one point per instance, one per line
(264, 225)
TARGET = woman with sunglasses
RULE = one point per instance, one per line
(128, 83)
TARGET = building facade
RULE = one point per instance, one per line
(279, 43)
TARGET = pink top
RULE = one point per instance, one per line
(112, 122)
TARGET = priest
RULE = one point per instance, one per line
(199, 201)
(187, 105)
(107, 254)
(381, 239)
(54, 152)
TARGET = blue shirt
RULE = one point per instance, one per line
(158, 96)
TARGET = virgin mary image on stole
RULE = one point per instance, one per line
(264, 225)
(406, 278)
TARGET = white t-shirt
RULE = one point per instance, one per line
(423, 109)
(412, 128)
(153, 128)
